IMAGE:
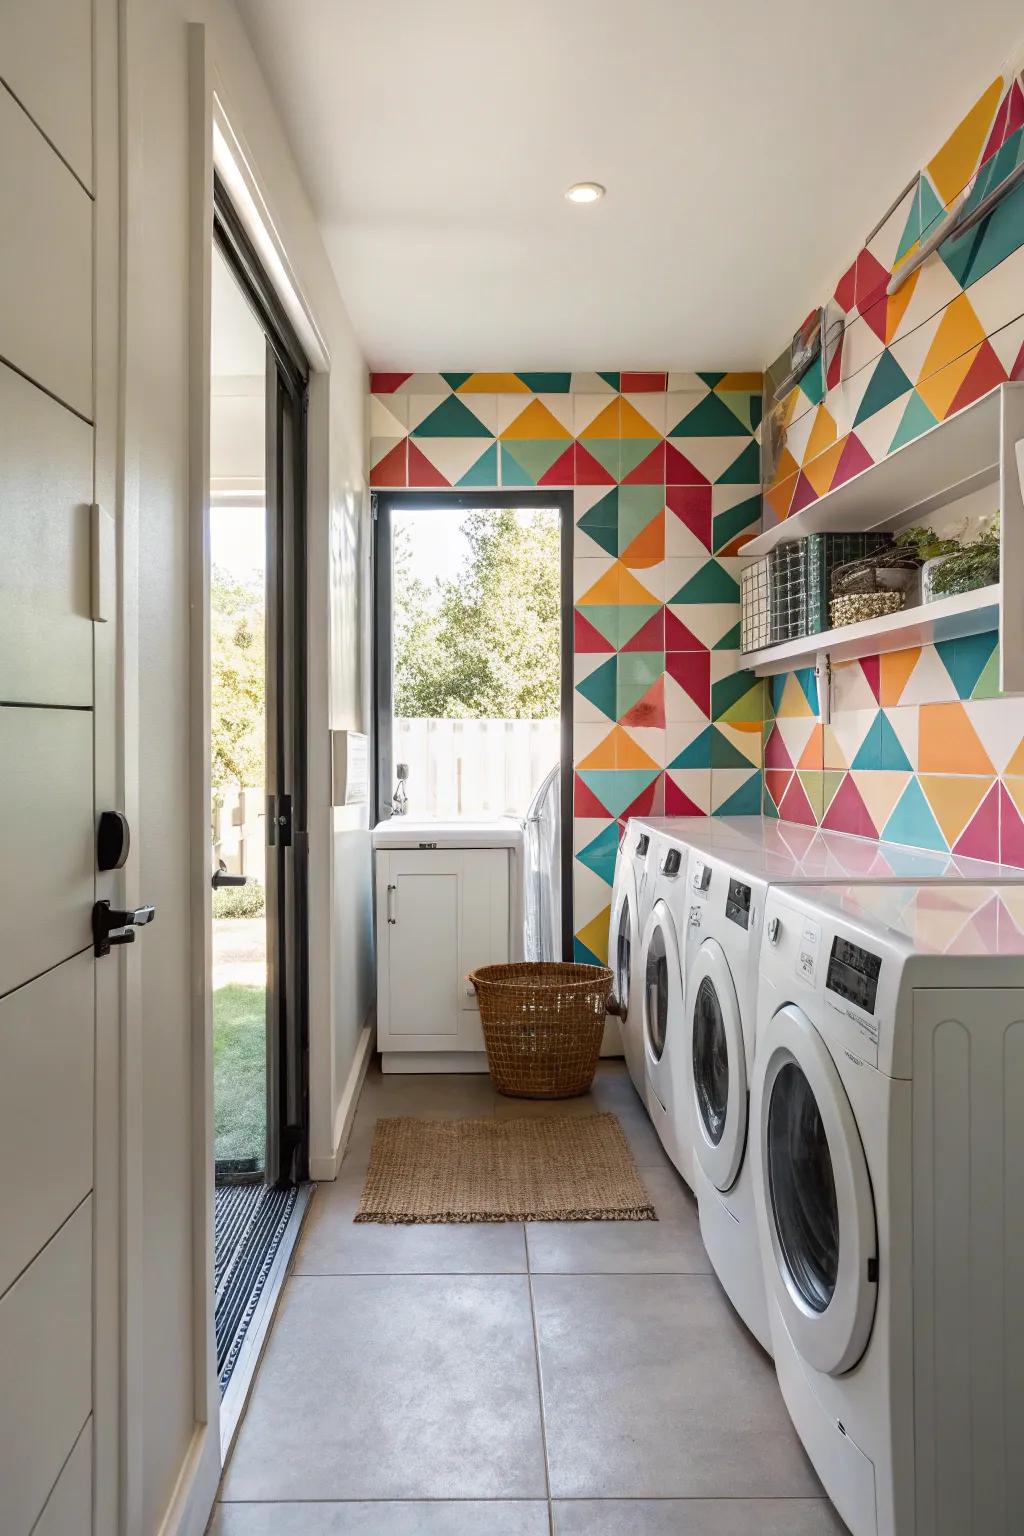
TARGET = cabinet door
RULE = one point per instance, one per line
(419, 904)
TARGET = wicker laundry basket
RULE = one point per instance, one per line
(542, 1023)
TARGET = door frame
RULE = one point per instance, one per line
(383, 503)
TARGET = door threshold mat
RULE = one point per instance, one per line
(544, 1168)
(249, 1223)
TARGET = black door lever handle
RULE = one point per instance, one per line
(108, 923)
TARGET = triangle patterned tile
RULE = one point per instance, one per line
(735, 792)
(929, 682)
(953, 801)
(846, 811)
(999, 724)
(600, 854)
(912, 822)
(880, 792)
(452, 457)
(948, 741)
(688, 792)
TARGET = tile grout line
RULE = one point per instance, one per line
(540, 1384)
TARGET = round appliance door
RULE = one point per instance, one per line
(624, 960)
(817, 1193)
(719, 1066)
(662, 981)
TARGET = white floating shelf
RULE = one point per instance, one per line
(948, 618)
(950, 460)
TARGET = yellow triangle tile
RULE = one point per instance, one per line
(736, 382)
(629, 753)
(605, 424)
(595, 934)
(953, 801)
(604, 754)
(536, 423)
(940, 390)
(793, 703)
(632, 424)
(955, 163)
(823, 434)
(1016, 763)
(895, 668)
(633, 591)
(959, 330)
(617, 585)
(948, 742)
(820, 471)
(896, 304)
(492, 384)
(880, 792)
(785, 467)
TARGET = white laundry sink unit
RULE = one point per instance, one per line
(449, 899)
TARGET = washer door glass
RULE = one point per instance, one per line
(656, 984)
(624, 955)
(803, 1188)
(710, 1061)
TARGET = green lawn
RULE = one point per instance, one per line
(240, 1072)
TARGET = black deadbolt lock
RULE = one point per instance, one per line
(113, 840)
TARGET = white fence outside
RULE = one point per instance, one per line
(239, 832)
(475, 768)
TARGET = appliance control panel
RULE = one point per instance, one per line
(853, 973)
(737, 903)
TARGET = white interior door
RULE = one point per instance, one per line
(58, 1045)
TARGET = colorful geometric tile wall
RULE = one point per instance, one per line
(921, 748)
(665, 472)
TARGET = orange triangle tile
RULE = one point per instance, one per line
(649, 545)
(896, 305)
(632, 424)
(823, 434)
(953, 801)
(493, 384)
(617, 585)
(536, 423)
(959, 330)
(812, 755)
(940, 389)
(948, 742)
(894, 669)
(605, 424)
(820, 471)
(780, 496)
(785, 467)
(735, 383)
(617, 750)
(1016, 763)
(955, 163)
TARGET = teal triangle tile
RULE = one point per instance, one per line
(610, 378)
(745, 801)
(917, 418)
(455, 379)
(513, 473)
(891, 754)
(616, 788)
(932, 207)
(729, 641)
(485, 471)
(977, 252)
(451, 419)
(603, 514)
(729, 690)
(812, 385)
(987, 686)
(887, 383)
(547, 383)
(776, 687)
(809, 686)
(965, 660)
(743, 517)
(600, 854)
(697, 754)
(599, 688)
(723, 752)
(768, 807)
(608, 538)
(744, 470)
(868, 754)
(741, 403)
(710, 379)
(912, 821)
(582, 955)
(710, 418)
(912, 228)
(711, 584)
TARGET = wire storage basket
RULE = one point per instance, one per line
(787, 583)
(826, 553)
(542, 1024)
(755, 608)
(876, 585)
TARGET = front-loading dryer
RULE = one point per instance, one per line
(887, 1140)
(631, 903)
(663, 1006)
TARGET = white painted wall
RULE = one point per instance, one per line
(164, 1436)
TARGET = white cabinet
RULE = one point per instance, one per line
(441, 912)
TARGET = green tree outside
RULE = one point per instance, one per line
(485, 644)
(237, 681)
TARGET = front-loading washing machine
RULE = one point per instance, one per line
(663, 1004)
(631, 903)
(887, 1132)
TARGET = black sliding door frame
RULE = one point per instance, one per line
(287, 834)
(384, 502)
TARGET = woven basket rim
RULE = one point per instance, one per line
(548, 974)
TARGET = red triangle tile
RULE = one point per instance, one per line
(1017, 371)
(775, 752)
(421, 471)
(984, 374)
(679, 470)
(776, 782)
(846, 289)
(650, 471)
(650, 636)
(692, 671)
(650, 802)
(980, 838)
(871, 667)
(848, 813)
(585, 802)
(563, 470)
(643, 383)
(802, 496)
(586, 639)
(854, 458)
(678, 637)
(391, 470)
(692, 505)
(835, 367)
(795, 805)
(650, 709)
(1008, 119)
(587, 471)
(872, 281)
(678, 804)
(387, 383)
(1011, 831)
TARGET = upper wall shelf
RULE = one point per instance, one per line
(980, 446)
(951, 459)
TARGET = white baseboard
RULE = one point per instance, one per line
(323, 1169)
(188, 1513)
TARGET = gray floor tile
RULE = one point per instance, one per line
(394, 1387)
(333, 1244)
(697, 1517)
(653, 1389)
(670, 1244)
(443, 1518)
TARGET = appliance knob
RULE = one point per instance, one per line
(774, 929)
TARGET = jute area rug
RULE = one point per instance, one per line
(557, 1168)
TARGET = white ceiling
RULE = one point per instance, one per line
(747, 148)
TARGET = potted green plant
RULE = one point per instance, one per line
(968, 567)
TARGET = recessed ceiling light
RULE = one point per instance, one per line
(585, 192)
